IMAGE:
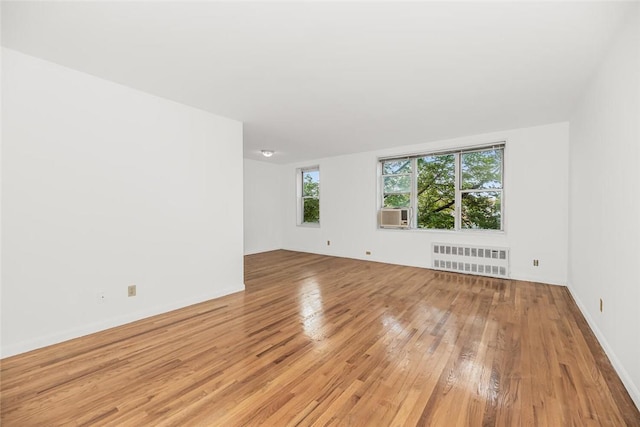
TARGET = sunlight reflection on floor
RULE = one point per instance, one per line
(311, 310)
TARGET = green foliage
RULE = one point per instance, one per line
(480, 170)
(311, 211)
(397, 200)
(396, 167)
(480, 173)
(436, 192)
(311, 201)
(481, 210)
(310, 185)
(397, 183)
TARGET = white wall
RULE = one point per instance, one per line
(104, 186)
(604, 204)
(1, 131)
(262, 207)
(536, 207)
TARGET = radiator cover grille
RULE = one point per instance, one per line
(480, 260)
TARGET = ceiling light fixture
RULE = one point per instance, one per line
(267, 153)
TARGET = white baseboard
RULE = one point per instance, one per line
(261, 250)
(39, 342)
(543, 280)
(632, 388)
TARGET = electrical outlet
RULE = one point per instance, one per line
(368, 252)
(536, 263)
(100, 297)
(131, 291)
(328, 242)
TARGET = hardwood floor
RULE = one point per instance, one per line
(318, 340)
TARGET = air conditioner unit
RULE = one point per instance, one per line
(393, 218)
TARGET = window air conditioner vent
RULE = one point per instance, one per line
(393, 218)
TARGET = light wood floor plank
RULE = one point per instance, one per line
(318, 340)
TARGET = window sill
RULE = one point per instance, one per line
(309, 225)
(436, 231)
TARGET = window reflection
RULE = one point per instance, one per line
(311, 310)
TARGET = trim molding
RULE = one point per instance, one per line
(47, 340)
(632, 388)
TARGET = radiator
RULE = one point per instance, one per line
(480, 260)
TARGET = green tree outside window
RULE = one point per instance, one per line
(311, 196)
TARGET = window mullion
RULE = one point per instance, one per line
(480, 208)
(300, 197)
(313, 194)
(458, 193)
(414, 193)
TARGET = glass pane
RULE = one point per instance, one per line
(396, 201)
(311, 211)
(482, 169)
(397, 184)
(311, 183)
(393, 167)
(436, 192)
(481, 210)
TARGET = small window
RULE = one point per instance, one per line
(309, 195)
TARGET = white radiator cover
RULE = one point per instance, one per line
(480, 260)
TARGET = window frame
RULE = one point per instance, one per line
(412, 180)
(457, 152)
(300, 172)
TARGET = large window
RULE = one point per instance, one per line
(309, 195)
(454, 190)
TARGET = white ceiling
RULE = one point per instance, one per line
(317, 79)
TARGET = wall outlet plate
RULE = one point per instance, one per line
(131, 291)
